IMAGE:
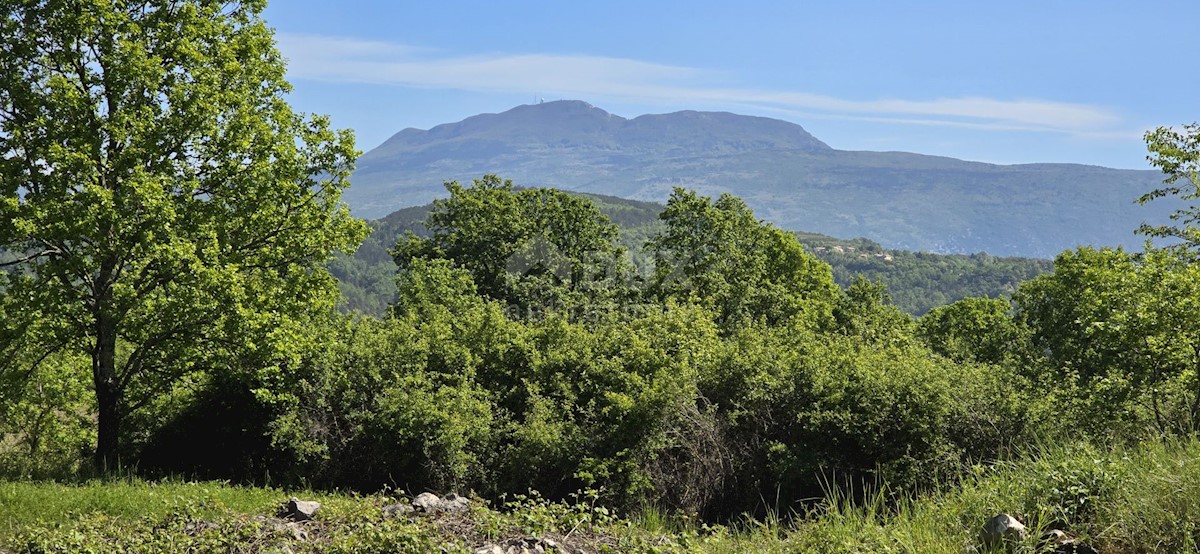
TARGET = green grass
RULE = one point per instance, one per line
(1139, 499)
(25, 504)
(1143, 499)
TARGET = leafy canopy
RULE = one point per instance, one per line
(166, 204)
(534, 249)
(718, 253)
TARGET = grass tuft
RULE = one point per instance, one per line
(1136, 499)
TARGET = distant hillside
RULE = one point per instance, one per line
(916, 281)
(921, 281)
(789, 177)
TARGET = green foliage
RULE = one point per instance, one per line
(916, 281)
(1177, 153)
(974, 330)
(170, 210)
(45, 419)
(865, 311)
(808, 409)
(719, 254)
(536, 250)
(1125, 329)
(1069, 311)
(367, 278)
(393, 403)
(741, 381)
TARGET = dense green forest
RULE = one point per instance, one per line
(916, 281)
(167, 311)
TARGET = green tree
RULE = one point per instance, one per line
(973, 330)
(1167, 319)
(1075, 314)
(1177, 153)
(534, 249)
(45, 421)
(718, 254)
(865, 311)
(167, 205)
(1127, 327)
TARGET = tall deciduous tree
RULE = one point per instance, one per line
(165, 203)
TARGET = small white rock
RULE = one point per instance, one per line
(426, 502)
(1002, 529)
(299, 510)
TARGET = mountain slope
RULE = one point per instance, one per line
(899, 199)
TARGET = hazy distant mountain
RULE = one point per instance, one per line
(901, 200)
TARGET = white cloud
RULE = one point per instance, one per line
(351, 60)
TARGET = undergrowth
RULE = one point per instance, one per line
(1137, 499)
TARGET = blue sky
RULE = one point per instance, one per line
(1002, 82)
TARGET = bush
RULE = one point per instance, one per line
(46, 428)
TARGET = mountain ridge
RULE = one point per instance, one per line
(900, 199)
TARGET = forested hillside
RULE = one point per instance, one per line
(916, 281)
(920, 281)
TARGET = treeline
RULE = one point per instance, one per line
(524, 351)
(916, 281)
(921, 281)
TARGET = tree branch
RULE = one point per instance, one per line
(32, 257)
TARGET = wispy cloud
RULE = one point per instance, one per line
(351, 60)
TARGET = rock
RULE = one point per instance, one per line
(426, 502)
(1062, 543)
(531, 545)
(299, 510)
(1002, 529)
(283, 525)
(398, 509)
(197, 528)
(517, 549)
(430, 503)
(528, 545)
(454, 503)
(1055, 536)
(298, 532)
